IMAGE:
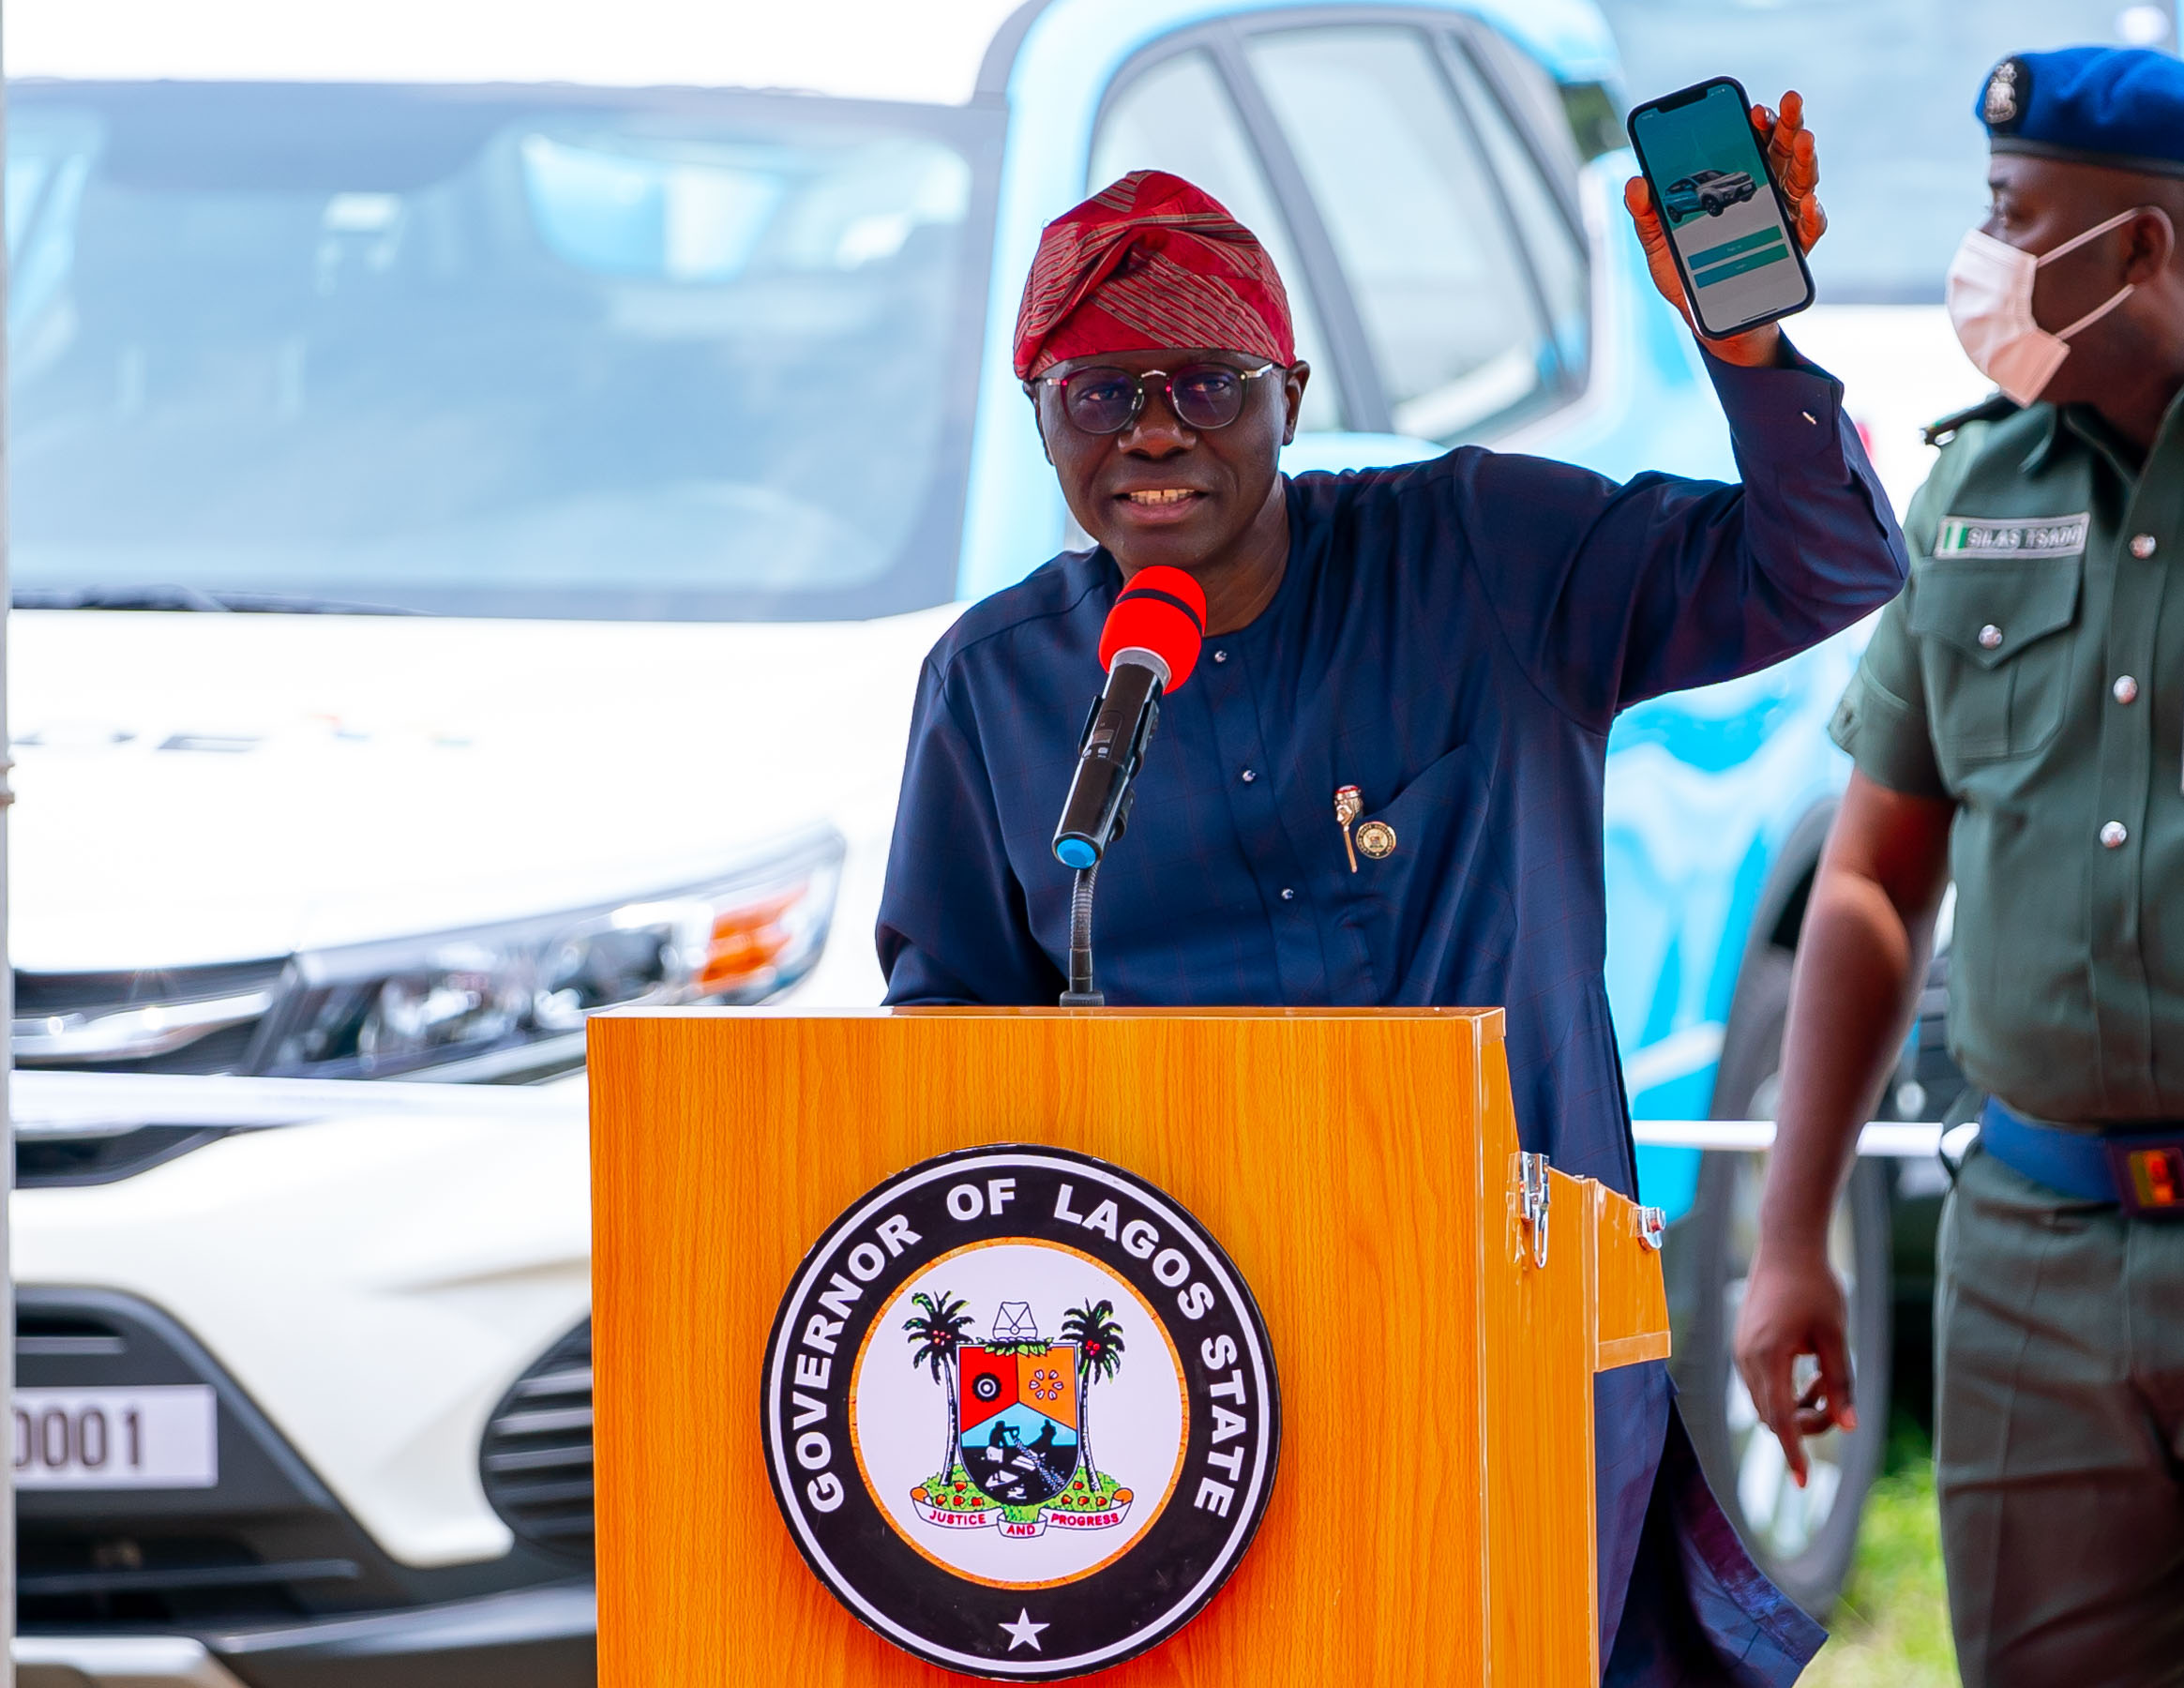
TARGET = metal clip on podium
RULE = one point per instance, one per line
(1202, 1348)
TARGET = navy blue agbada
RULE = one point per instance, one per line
(1455, 639)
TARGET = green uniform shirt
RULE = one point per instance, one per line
(2033, 674)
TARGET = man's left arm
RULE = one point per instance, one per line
(1810, 546)
(1609, 595)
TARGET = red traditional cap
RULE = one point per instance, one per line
(1148, 264)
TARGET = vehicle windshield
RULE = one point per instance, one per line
(1890, 87)
(490, 351)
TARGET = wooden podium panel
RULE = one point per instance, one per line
(1359, 1167)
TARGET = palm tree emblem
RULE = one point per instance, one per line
(1099, 1357)
(935, 1332)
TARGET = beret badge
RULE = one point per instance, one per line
(2118, 106)
(2007, 89)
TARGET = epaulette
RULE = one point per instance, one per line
(1993, 408)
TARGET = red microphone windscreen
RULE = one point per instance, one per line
(1162, 610)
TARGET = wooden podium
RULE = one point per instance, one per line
(1361, 1169)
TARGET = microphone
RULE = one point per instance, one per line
(1149, 646)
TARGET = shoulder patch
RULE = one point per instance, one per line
(1993, 408)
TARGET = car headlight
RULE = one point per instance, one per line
(510, 1001)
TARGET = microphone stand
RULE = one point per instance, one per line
(1081, 992)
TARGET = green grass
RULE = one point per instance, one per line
(1893, 1626)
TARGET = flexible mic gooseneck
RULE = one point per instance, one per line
(1149, 647)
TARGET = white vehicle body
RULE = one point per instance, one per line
(420, 750)
(198, 788)
(447, 1228)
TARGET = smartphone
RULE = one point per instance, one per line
(1729, 224)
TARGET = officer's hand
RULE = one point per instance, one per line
(1794, 163)
(1793, 1307)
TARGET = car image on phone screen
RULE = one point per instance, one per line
(1726, 223)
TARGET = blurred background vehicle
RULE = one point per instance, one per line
(484, 480)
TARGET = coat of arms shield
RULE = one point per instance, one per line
(1018, 1420)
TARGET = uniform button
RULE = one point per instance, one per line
(2125, 688)
(1990, 636)
(2115, 834)
(1220, 655)
(1287, 895)
(1249, 776)
(2142, 546)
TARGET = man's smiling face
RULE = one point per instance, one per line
(1161, 491)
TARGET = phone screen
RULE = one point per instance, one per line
(1739, 260)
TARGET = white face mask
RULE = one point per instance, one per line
(1990, 302)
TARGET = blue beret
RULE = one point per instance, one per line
(2117, 106)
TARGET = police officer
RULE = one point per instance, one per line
(2018, 722)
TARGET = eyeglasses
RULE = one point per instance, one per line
(1106, 401)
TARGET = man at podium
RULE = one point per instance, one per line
(1423, 661)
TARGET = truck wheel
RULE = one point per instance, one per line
(1802, 1538)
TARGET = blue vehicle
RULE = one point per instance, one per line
(544, 337)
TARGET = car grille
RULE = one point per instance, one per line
(536, 1457)
(106, 1560)
(267, 1546)
(216, 1010)
(63, 1580)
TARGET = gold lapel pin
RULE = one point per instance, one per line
(1349, 803)
(1377, 838)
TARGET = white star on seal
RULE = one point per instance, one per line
(1023, 1632)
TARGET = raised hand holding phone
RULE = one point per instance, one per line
(1740, 294)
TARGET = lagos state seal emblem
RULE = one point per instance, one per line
(1020, 1413)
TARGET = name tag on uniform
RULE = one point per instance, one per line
(2013, 535)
